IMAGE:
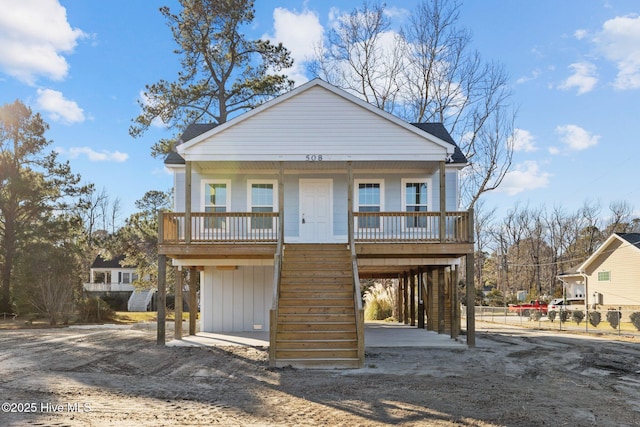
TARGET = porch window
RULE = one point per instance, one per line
(216, 199)
(416, 197)
(262, 198)
(369, 198)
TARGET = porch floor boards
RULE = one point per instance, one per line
(316, 315)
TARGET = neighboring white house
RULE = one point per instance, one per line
(611, 276)
(284, 208)
(108, 278)
(108, 275)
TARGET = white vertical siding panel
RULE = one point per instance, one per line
(235, 300)
(217, 302)
(238, 289)
(257, 299)
(227, 301)
(207, 300)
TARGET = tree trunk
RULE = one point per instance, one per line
(8, 247)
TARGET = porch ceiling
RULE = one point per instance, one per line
(313, 166)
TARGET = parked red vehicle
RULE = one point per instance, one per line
(526, 309)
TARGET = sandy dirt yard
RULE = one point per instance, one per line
(119, 377)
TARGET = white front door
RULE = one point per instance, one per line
(316, 210)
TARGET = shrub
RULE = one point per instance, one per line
(595, 318)
(536, 315)
(613, 317)
(635, 319)
(577, 316)
(94, 310)
(379, 302)
(564, 315)
(551, 315)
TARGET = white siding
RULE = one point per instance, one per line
(392, 183)
(236, 300)
(315, 122)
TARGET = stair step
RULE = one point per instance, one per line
(319, 294)
(297, 286)
(312, 247)
(322, 363)
(314, 280)
(313, 302)
(316, 353)
(314, 318)
(329, 272)
(317, 344)
(317, 310)
(316, 326)
(315, 335)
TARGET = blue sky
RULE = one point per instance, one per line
(574, 69)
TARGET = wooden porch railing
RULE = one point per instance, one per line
(221, 227)
(265, 227)
(393, 227)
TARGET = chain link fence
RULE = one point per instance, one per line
(538, 320)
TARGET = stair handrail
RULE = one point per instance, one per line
(273, 313)
(148, 298)
(131, 297)
(358, 302)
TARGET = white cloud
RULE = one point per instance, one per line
(523, 141)
(95, 156)
(524, 177)
(59, 108)
(554, 150)
(576, 138)
(583, 77)
(300, 33)
(619, 41)
(580, 34)
(396, 12)
(524, 79)
(34, 35)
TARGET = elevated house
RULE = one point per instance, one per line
(610, 277)
(283, 210)
(109, 278)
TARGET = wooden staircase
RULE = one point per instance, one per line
(316, 313)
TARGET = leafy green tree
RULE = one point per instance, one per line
(35, 189)
(494, 298)
(222, 71)
(137, 240)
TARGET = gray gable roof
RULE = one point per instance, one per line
(439, 131)
(194, 130)
(100, 262)
(173, 158)
(189, 133)
(632, 238)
